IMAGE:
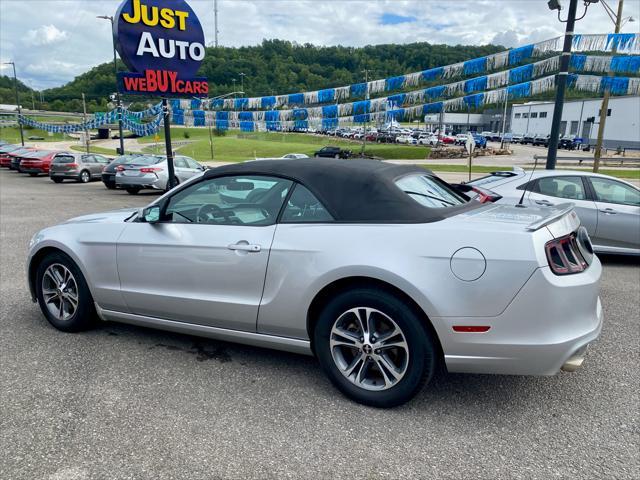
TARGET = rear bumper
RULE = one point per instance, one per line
(549, 322)
(145, 181)
(64, 174)
(28, 169)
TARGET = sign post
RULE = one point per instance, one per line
(470, 146)
(162, 43)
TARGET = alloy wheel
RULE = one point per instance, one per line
(60, 291)
(369, 348)
(84, 177)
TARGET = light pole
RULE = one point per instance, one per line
(211, 124)
(242, 75)
(115, 68)
(561, 77)
(15, 84)
(618, 21)
(366, 123)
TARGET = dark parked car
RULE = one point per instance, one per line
(570, 143)
(527, 139)
(80, 167)
(386, 138)
(541, 141)
(109, 172)
(332, 152)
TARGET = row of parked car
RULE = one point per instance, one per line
(132, 172)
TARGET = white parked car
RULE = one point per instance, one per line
(295, 155)
(430, 140)
(406, 139)
(152, 172)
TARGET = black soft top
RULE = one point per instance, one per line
(356, 190)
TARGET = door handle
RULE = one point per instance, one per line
(245, 247)
(609, 211)
(544, 202)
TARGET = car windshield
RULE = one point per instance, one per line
(64, 159)
(429, 191)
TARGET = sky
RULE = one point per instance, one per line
(52, 41)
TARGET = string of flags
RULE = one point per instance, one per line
(273, 120)
(628, 43)
(132, 121)
(585, 63)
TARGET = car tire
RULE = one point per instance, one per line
(110, 186)
(56, 180)
(84, 177)
(33, 174)
(54, 269)
(359, 372)
(132, 190)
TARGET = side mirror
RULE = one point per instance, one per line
(151, 214)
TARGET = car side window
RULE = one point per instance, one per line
(253, 200)
(571, 188)
(611, 191)
(87, 159)
(180, 162)
(304, 207)
(102, 160)
(192, 163)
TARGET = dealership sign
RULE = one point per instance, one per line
(162, 43)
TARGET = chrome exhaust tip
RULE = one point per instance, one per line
(574, 363)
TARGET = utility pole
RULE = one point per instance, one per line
(84, 119)
(504, 118)
(15, 84)
(605, 99)
(561, 77)
(366, 124)
(215, 22)
(171, 181)
(561, 84)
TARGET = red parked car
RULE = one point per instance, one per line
(8, 157)
(35, 163)
(5, 161)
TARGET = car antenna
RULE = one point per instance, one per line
(527, 185)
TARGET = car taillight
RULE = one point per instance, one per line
(120, 168)
(150, 170)
(72, 165)
(486, 196)
(564, 255)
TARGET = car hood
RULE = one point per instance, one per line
(114, 216)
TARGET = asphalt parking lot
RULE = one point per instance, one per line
(123, 402)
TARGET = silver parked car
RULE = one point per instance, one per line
(381, 271)
(608, 207)
(80, 167)
(152, 171)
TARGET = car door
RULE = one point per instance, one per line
(87, 163)
(618, 211)
(194, 167)
(205, 261)
(557, 189)
(99, 162)
(181, 168)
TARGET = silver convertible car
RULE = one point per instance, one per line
(381, 271)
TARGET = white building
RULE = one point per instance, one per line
(581, 118)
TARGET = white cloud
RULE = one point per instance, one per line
(45, 35)
(68, 39)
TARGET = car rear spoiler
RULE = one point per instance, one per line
(558, 212)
